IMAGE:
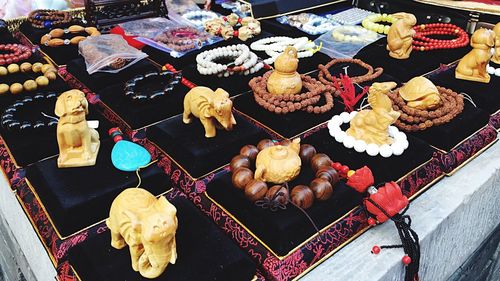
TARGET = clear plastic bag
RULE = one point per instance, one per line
(147, 28)
(309, 23)
(108, 53)
(346, 41)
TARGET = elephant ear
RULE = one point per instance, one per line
(221, 92)
(134, 221)
(167, 206)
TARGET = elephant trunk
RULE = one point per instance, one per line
(152, 263)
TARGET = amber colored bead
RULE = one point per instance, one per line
(239, 161)
(307, 152)
(322, 189)
(241, 177)
(255, 190)
(302, 196)
(319, 160)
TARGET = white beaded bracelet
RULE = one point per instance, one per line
(245, 61)
(198, 18)
(493, 71)
(399, 145)
(274, 46)
(317, 25)
(354, 34)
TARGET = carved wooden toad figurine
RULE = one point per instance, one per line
(420, 93)
(213, 109)
(496, 55)
(148, 226)
(400, 35)
(278, 164)
(78, 144)
(372, 125)
(285, 80)
(473, 65)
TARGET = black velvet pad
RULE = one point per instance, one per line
(187, 145)
(74, 200)
(484, 95)
(99, 80)
(139, 114)
(384, 169)
(283, 230)
(448, 135)
(203, 253)
(417, 64)
(266, 8)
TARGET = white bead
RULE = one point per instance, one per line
(348, 142)
(405, 144)
(337, 120)
(385, 151)
(372, 149)
(360, 145)
(334, 131)
(393, 131)
(397, 148)
(497, 72)
(490, 69)
(352, 114)
(340, 136)
(345, 117)
(400, 136)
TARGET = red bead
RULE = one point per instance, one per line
(236, 33)
(344, 169)
(375, 250)
(406, 260)
(372, 221)
(336, 166)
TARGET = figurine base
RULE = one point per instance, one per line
(399, 57)
(485, 79)
(74, 159)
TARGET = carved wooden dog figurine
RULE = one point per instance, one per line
(78, 144)
(400, 36)
(473, 65)
(148, 226)
(213, 108)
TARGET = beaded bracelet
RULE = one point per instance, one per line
(9, 121)
(199, 17)
(182, 39)
(14, 53)
(283, 104)
(412, 119)
(353, 34)
(326, 77)
(166, 79)
(49, 73)
(371, 23)
(421, 41)
(245, 62)
(52, 39)
(493, 71)
(275, 46)
(48, 18)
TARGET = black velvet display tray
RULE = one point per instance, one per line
(484, 95)
(186, 143)
(203, 253)
(272, 8)
(74, 200)
(417, 64)
(99, 80)
(283, 230)
(449, 135)
(140, 114)
(383, 169)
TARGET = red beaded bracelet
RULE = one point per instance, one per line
(421, 41)
(12, 53)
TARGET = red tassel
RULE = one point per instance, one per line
(361, 179)
(347, 92)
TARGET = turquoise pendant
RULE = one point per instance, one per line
(128, 156)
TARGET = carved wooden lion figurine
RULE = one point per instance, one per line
(147, 225)
(213, 109)
(78, 144)
(472, 66)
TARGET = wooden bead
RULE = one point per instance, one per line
(322, 189)
(42, 81)
(239, 161)
(3, 71)
(13, 68)
(241, 177)
(47, 67)
(328, 173)
(255, 190)
(302, 196)
(320, 160)
(50, 75)
(283, 199)
(25, 67)
(37, 67)
(4, 88)
(307, 152)
(264, 144)
(30, 85)
(16, 88)
(249, 151)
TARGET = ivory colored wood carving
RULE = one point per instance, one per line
(420, 93)
(278, 163)
(400, 35)
(285, 80)
(473, 65)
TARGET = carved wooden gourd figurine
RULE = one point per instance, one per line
(473, 65)
(148, 226)
(400, 36)
(496, 55)
(285, 80)
(278, 164)
(420, 93)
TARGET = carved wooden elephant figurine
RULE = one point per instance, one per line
(148, 226)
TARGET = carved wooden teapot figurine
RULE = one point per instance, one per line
(278, 164)
(420, 93)
(285, 80)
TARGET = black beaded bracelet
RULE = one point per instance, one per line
(11, 123)
(140, 87)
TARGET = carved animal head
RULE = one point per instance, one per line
(482, 39)
(72, 102)
(160, 225)
(408, 19)
(378, 98)
(222, 110)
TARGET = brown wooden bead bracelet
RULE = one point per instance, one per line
(327, 78)
(48, 18)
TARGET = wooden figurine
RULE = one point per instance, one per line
(496, 55)
(78, 144)
(285, 80)
(420, 93)
(473, 65)
(148, 226)
(400, 35)
(278, 164)
(212, 108)
(371, 125)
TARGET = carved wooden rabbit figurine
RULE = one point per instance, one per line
(473, 65)
(285, 80)
(496, 55)
(278, 163)
(147, 225)
(213, 108)
(372, 125)
(400, 36)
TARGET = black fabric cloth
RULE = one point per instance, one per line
(99, 80)
(283, 230)
(267, 8)
(383, 169)
(198, 155)
(203, 253)
(484, 95)
(74, 200)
